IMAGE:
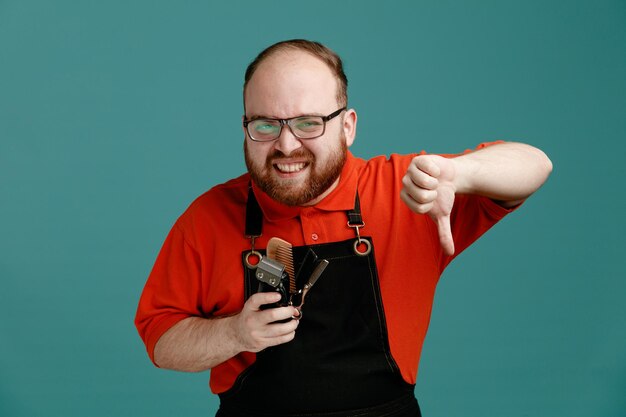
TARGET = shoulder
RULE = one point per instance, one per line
(218, 204)
(234, 191)
(385, 168)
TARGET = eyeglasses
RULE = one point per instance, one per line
(302, 127)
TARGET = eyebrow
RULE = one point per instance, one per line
(257, 117)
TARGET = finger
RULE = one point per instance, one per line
(270, 337)
(417, 193)
(280, 329)
(262, 327)
(257, 300)
(416, 207)
(445, 235)
(427, 164)
(420, 178)
(280, 339)
(273, 315)
(275, 333)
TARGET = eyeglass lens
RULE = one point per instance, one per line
(302, 127)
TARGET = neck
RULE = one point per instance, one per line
(324, 194)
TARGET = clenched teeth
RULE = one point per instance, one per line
(291, 167)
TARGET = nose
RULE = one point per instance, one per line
(287, 142)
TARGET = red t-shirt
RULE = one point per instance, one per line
(199, 270)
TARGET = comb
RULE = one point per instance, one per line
(280, 250)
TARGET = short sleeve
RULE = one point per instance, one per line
(172, 291)
(471, 217)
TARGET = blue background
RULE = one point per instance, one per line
(115, 115)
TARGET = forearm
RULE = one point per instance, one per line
(507, 172)
(196, 344)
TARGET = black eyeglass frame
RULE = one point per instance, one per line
(285, 122)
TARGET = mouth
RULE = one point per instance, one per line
(290, 168)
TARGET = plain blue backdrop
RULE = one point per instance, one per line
(115, 115)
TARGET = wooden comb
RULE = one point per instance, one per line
(280, 250)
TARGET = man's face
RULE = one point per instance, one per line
(296, 171)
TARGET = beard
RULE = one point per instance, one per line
(293, 192)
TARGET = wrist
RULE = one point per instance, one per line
(231, 332)
(463, 169)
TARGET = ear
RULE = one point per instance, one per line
(349, 126)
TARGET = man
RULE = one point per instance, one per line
(387, 227)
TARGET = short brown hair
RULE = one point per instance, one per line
(328, 56)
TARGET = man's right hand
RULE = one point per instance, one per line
(257, 329)
(196, 344)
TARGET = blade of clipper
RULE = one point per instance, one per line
(269, 271)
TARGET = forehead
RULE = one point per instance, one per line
(291, 83)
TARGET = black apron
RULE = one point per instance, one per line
(339, 363)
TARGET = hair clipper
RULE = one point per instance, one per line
(272, 277)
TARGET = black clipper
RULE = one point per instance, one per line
(272, 277)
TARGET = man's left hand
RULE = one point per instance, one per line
(428, 188)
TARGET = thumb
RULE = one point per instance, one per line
(445, 234)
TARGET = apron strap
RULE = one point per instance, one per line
(354, 215)
(254, 215)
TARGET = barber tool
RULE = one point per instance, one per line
(272, 272)
(319, 269)
(280, 250)
(311, 267)
(272, 277)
